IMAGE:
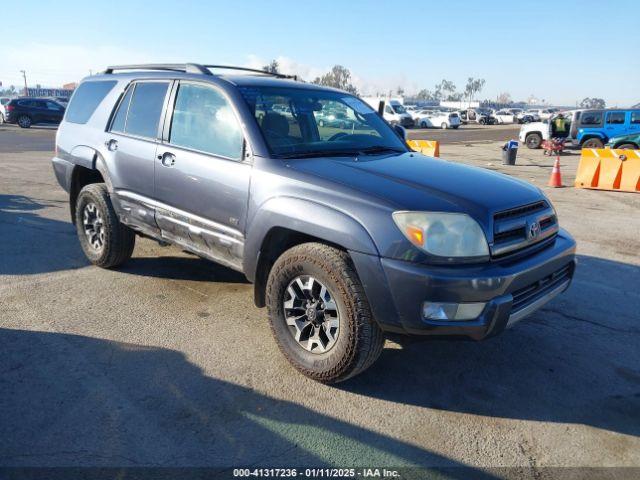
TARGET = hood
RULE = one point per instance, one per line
(412, 181)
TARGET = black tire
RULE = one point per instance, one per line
(482, 121)
(359, 340)
(24, 121)
(627, 146)
(533, 140)
(593, 143)
(423, 125)
(117, 239)
(455, 127)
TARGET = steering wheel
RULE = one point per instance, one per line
(337, 136)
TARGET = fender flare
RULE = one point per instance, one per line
(89, 157)
(306, 217)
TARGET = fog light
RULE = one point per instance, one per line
(451, 311)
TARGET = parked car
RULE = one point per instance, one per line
(31, 111)
(598, 126)
(533, 113)
(625, 142)
(542, 113)
(3, 113)
(504, 116)
(345, 236)
(335, 118)
(436, 119)
(481, 116)
(534, 133)
(394, 112)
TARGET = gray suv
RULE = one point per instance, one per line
(346, 233)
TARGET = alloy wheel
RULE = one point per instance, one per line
(93, 226)
(311, 314)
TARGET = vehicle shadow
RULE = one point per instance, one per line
(72, 400)
(182, 268)
(32, 243)
(575, 361)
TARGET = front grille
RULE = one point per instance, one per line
(519, 211)
(530, 293)
(519, 228)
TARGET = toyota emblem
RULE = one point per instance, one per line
(534, 230)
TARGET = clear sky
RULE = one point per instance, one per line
(560, 51)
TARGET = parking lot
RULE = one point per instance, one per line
(166, 361)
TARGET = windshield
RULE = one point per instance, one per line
(399, 109)
(304, 122)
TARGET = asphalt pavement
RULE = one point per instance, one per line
(166, 362)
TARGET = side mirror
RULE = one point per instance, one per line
(401, 132)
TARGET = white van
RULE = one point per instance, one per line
(394, 111)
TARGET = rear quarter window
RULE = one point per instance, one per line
(86, 99)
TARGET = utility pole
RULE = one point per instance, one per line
(26, 90)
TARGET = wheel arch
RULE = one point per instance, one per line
(283, 223)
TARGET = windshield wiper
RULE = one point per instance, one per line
(380, 149)
(342, 153)
(320, 153)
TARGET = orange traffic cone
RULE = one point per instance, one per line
(556, 178)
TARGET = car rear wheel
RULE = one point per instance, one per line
(319, 313)
(533, 140)
(24, 121)
(444, 126)
(593, 143)
(104, 239)
(627, 146)
(423, 125)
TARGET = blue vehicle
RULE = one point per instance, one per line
(598, 126)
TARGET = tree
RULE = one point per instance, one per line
(273, 67)
(425, 94)
(504, 98)
(474, 86)
(337, 77)
(592, 103)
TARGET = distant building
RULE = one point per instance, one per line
(70, 86)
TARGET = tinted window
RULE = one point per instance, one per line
(146, 106)
(203, 120)
(121, 115)
(86, 99)
(635, 117)
(54, 106)
(591, 118)
(615, 118)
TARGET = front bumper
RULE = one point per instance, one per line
(512, 290)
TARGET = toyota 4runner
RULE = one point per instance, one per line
(345, 232)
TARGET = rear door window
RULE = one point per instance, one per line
(121, 115)
(145, 108)
(591, 119)
(635, 118)
(86, 99)
(615, 118)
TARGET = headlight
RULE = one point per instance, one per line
(443, 234)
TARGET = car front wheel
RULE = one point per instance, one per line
(319, 313)
(106, 241)
(533, 140)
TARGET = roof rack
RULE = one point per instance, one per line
(191, 68)
(253, 70)
(173, 67)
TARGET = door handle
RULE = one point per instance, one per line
(167, 159)
(112, 145)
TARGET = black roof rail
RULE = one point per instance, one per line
(253, 70)
(192, 68)
(173, 67)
